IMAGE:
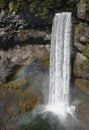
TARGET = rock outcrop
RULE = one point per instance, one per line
(83, 10)
(14, 29)
(81, 41)
(19, 42)
(9, 24)
(19, 56)
(81, 36)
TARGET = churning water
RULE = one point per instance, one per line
(58, 101)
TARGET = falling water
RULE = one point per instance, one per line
(58, 101)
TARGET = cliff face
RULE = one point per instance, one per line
(21, 41)
(24, 63)
(24, 60)
(81, 48)
(25, 37)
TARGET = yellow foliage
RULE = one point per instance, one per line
(44, 61)
(15, 84)
(22, 93)
(30, 103)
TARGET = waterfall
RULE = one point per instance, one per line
(58, 101)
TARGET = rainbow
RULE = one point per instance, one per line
(23, 69)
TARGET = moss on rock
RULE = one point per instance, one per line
(30, 103)
(23, 94)
(16, 84)
(86, 53)
(44, 61)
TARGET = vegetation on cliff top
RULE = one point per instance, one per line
(40, 8)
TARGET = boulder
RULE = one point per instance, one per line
(19, 56)
(80, 68)
(81, 10)
(83, 85)
(81, 36)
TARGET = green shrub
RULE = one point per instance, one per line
(23, 94)
(86, 51)
(43, 8)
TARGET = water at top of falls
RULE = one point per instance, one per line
(58, 101)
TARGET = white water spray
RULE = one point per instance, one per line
(58, 101)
